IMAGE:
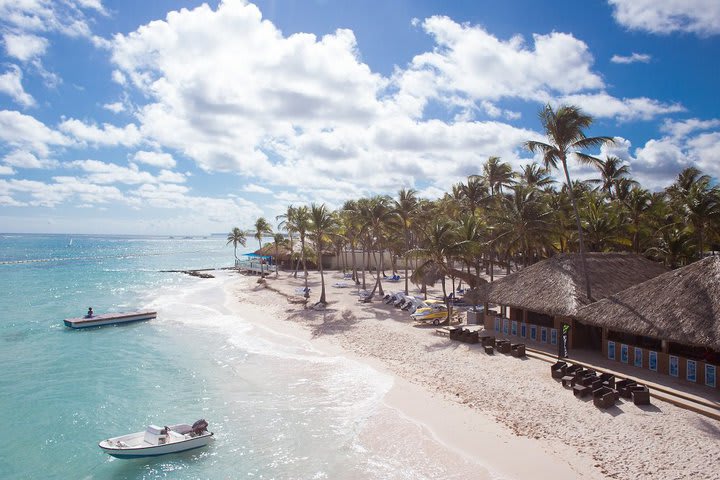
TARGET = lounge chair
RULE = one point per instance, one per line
(604, 397)
(623, 386)
(640, 395)
(517, 350)
(394, 278)
(469, 336)
(503, 346)
(487, 341)
(558, 369)
(608, 380)
(365, 298)
(341, 285)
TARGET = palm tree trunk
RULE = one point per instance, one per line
(579, 228)
(363, 268)
(405, 259)
(322, 276)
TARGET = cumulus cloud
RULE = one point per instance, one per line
(115, 107)
(156, 159)
(67, 17)
(691, 142)
(24, 46)
(11, 84)
(252, 188)
(107, 134)
(229, 91)
(108, 173)
(625, 109)
(634, 58)
(470, 60)
(701, 17)
(24, 159)
(24, 132)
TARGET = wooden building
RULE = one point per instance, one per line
(669, 324)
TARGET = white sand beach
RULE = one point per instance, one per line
(499, 411)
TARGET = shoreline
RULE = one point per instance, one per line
(472, 435)
(518, 398)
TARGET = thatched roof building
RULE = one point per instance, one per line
(681, 306)
(556, 286)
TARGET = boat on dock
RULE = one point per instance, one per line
(109, 319)
(156, 441)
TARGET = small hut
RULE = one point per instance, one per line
(536, 301)
(669, 324)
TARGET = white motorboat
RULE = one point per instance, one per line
(156, 441)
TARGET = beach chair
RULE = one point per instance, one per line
(558, 369)
(640, 394)
(503, 346)
(608, 380)
(517, 350)
(623, 386)
(604, 397)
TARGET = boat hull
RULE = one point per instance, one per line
(109, 319)
(157, 450)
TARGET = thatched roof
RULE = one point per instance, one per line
(556, 286)
(268, 250)
(682, 306)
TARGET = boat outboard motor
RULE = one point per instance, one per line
(200, 426)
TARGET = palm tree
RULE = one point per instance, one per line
(533, 175)
(261, 227)
(637, 202)
(236, 236)
(611, 171)
(286, 223)
(301, 224)
(442, 243)
(564, 129)
(406, 207)
(497, 175)
(376, 214)
(278, 240)
(321, 223)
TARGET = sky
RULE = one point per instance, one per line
(190, 118)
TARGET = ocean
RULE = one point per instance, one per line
(278, 407)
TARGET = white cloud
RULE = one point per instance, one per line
(6, 170)
(108, 134)
(682, 128)
(24, 132)
(156, 159)
(115, 107)
(282, 105)
(107, 173)
(11, 84)
(24, 159)
(61, 190)
(701, 17)
(66, 17)
(252, 188)
(625, 109)
(470, 60)
(24, 47)
(634, 58)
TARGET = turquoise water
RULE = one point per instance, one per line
(279, 408)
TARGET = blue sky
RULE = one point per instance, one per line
(183, 117)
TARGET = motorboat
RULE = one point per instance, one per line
(108, 319)
(434, 312)
(156, 441)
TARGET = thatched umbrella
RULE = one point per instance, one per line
(556, 286)
(681, 306)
